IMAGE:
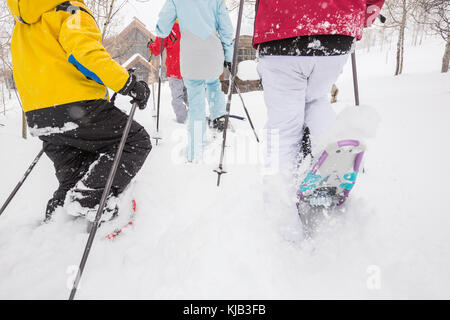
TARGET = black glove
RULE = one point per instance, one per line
(227, 65)
(138, 90)
(141, 94)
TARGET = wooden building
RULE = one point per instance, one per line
(245, 52)
(129, 48)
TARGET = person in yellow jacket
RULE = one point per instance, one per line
(62, 72)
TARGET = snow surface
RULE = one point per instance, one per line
(192, 240)
(247, 70)
(36, 132)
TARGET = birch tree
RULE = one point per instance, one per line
(6, 27)
(399, 13)
(106, 13)
(438, 14)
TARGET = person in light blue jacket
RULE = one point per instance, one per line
(206, 43)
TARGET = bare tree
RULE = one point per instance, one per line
(106, 13)
(399, 13)
(6, 28)
(249, 7)
(234, 4)
(438, 13)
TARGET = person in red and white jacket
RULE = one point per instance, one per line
(303, 47)
(177, 88)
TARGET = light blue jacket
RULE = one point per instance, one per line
(206, 35)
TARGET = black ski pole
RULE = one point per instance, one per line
(355, 71)
(153, 84)
(105, 194)
(25, 176)
(220, 170)
(246, 111)
(157, 137)
(355, 78)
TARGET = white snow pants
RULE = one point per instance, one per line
(296, 93)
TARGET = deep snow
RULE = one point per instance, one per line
(194, 240)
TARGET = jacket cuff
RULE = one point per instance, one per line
(128, 85)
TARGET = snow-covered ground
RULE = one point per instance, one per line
(193, 240)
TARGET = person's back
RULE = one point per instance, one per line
(282, 19)
(172, 46)
(206, 43)
(62, 72)
(177, 88)
(207, 35)
(55, 54)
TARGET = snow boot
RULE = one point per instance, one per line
(218, 124)
(52, 205)
(108, 215)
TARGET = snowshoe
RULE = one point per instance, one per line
(327, 185)
(218, 124)
(108, 215)
(122, 224)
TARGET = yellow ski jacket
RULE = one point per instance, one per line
(58, 56)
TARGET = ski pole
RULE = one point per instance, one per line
(246, 111)
(25, 176)
(154, 102)
(157, 138)
(153, 84)
(220, 170)
(355, 71)
(355, 79)
(105, 194)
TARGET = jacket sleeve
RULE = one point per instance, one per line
(166, 19)
(225, 29)
(155, 47)
(378, 3)
(81, 39)
(373, 9)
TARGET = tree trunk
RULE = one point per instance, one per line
(3, 100)
(403, 51)
(446, 58)
(398, 66)
(401, 45)
(416, 33)
(108, 19)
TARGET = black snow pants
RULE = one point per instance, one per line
(85, 154)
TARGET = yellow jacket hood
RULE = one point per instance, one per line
(30, 11)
